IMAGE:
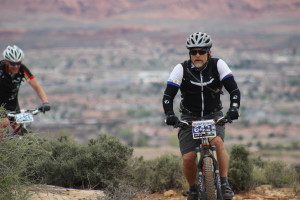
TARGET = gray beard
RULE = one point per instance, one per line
(200, 68)
(198, 65)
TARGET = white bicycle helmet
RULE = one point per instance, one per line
(13, 54)
(200, 40)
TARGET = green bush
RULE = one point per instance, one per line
(15, 155)
(275, 173)
(160, 174)
(104, 163)
(165, 173)
(124, 191)
(107, 164)
(279, 174)
(99, 164)
(156, 175)
(138, 173)
(240, 168)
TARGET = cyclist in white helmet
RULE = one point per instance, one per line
(200, 80)
(12, 73)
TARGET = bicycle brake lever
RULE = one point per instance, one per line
(184, 122)
(181, 124)
(222, 121)
(36, 112)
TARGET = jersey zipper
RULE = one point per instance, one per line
(202, 96)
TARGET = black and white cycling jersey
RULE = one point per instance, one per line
(176, 75)
(200, 89)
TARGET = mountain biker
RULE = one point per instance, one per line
(200, 80)
(12, 73)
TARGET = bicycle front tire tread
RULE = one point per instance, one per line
(209, 178)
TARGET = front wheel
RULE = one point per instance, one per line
(209, 178)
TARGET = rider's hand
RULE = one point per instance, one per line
(171, 120)
(45, 107)
(233, 113)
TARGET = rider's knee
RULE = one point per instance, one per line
(189, 157)
(4, 123)
(218, 142)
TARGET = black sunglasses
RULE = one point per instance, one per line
(194, 52)
(15, 63)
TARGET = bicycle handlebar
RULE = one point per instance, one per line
(33, 111)
(220, 121)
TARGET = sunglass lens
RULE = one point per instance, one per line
(15, 63)
(200, 52)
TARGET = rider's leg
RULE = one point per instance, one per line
(4, 124)
(189, 167)
(222, 156)
(223, 161)
(190, 172)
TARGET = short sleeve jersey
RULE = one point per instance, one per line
(197, 95)
(9, 85)
(176, 75)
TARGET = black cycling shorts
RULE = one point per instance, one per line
(185, 137)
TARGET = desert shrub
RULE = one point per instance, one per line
(165, 173)
(99, 164)
(58, 166)
(15, 154)
(258, 177)
(138, 173)
(155, 175)
(124, 191)
(275, 173)
(111, 159)
(240, 168)
(279, 174)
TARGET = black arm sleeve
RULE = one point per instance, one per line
(168, 99)
(232, 88)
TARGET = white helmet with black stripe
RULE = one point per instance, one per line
(13, 54)
(199, 40)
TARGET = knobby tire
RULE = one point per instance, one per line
(209, 178)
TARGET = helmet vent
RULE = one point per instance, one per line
(200, 40)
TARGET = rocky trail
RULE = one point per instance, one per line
(264, 192)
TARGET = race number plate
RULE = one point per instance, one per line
(24, 118)
(202, 129)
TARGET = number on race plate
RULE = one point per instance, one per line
(202, 129)
(24, 118)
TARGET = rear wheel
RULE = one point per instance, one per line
(209, 178)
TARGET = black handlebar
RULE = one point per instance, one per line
(220, 121)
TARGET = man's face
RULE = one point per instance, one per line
(13, 67)
(199, 56)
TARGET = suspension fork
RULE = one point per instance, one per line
(217, 172)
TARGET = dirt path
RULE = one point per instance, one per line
(48, 192)
(265, 192)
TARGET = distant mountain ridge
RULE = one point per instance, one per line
(101, 9)
(52, 23)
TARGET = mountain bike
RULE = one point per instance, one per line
(208, 175)
(20, 120)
